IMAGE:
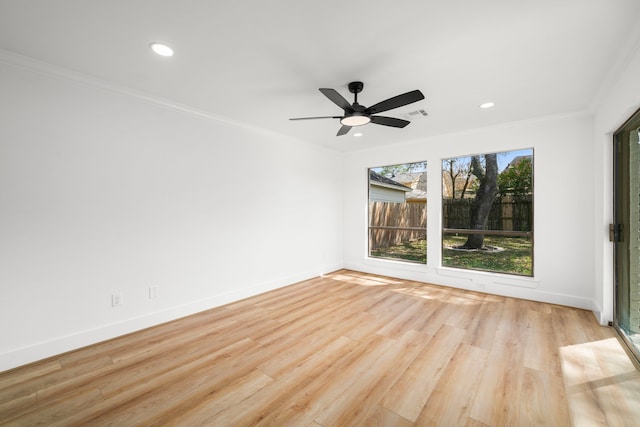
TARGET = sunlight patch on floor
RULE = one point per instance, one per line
(603, 385)
(363, 280)
(443, 295)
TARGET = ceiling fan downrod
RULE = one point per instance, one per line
(355, 88)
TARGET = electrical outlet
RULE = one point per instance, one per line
(153, 292)
(116, 300)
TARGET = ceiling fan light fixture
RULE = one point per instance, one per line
(355, 120)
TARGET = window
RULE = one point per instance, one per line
(487, 212)
(398, 212)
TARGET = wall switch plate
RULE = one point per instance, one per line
(116, 300)
(153, 292)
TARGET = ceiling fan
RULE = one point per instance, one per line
(358, 115)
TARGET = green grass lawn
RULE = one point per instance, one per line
(414, 251)
(515, 259)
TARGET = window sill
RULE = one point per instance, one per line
(488, 278)
(391, 263)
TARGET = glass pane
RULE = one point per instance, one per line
(627, 249)
(487, 212)
(398, 212)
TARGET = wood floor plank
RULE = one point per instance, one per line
(170, 361)
(27, 373)
(541, 349)
(382, 417)
(264, 402)
(450, 402)
(19, 406)
(465, 306)
(474, 423)
(48, 415)
(149, 363)
(147, 393)
(438, 317)
(409, 394)
(481, 329)
(568, 326)
(497, 401)
(193, 386)
(300, 321)
(38, 384)
(358, 401)
(305, 347)
(403, 322)
(347, 348)
(319, 392)
(542, 395)
(217, 401)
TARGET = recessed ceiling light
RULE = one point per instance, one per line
(161, 49)
(357, 134)
(487, 105)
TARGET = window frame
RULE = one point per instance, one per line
(493, 233)
(410, 231)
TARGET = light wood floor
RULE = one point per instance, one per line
(345, 349)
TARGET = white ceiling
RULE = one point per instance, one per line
(262, 62)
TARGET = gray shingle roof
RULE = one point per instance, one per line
(376, 177)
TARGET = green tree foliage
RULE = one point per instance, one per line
(517, 178)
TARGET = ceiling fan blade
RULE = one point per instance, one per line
(389, 121)
(343, 130)
(336, 98)
(314, 118)
(395, 102)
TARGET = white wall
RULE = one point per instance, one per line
(621, 100)
(102, 193)
(563, 209)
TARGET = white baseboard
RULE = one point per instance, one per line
(503, 285)
(32, 353)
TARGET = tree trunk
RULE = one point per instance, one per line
(488, 179)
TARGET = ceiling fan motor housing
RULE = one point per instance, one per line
(356, 87)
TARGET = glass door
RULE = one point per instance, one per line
(625, 232)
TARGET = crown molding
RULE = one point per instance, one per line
(40, 67)
(26, 63)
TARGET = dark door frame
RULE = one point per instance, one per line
(619, 231)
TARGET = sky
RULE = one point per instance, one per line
(505, 159)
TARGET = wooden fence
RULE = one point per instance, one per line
(508, 213)
(394, 223)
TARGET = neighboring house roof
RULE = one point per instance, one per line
(518, 159)
(418, 183)
(415, 180)
(382, 181)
